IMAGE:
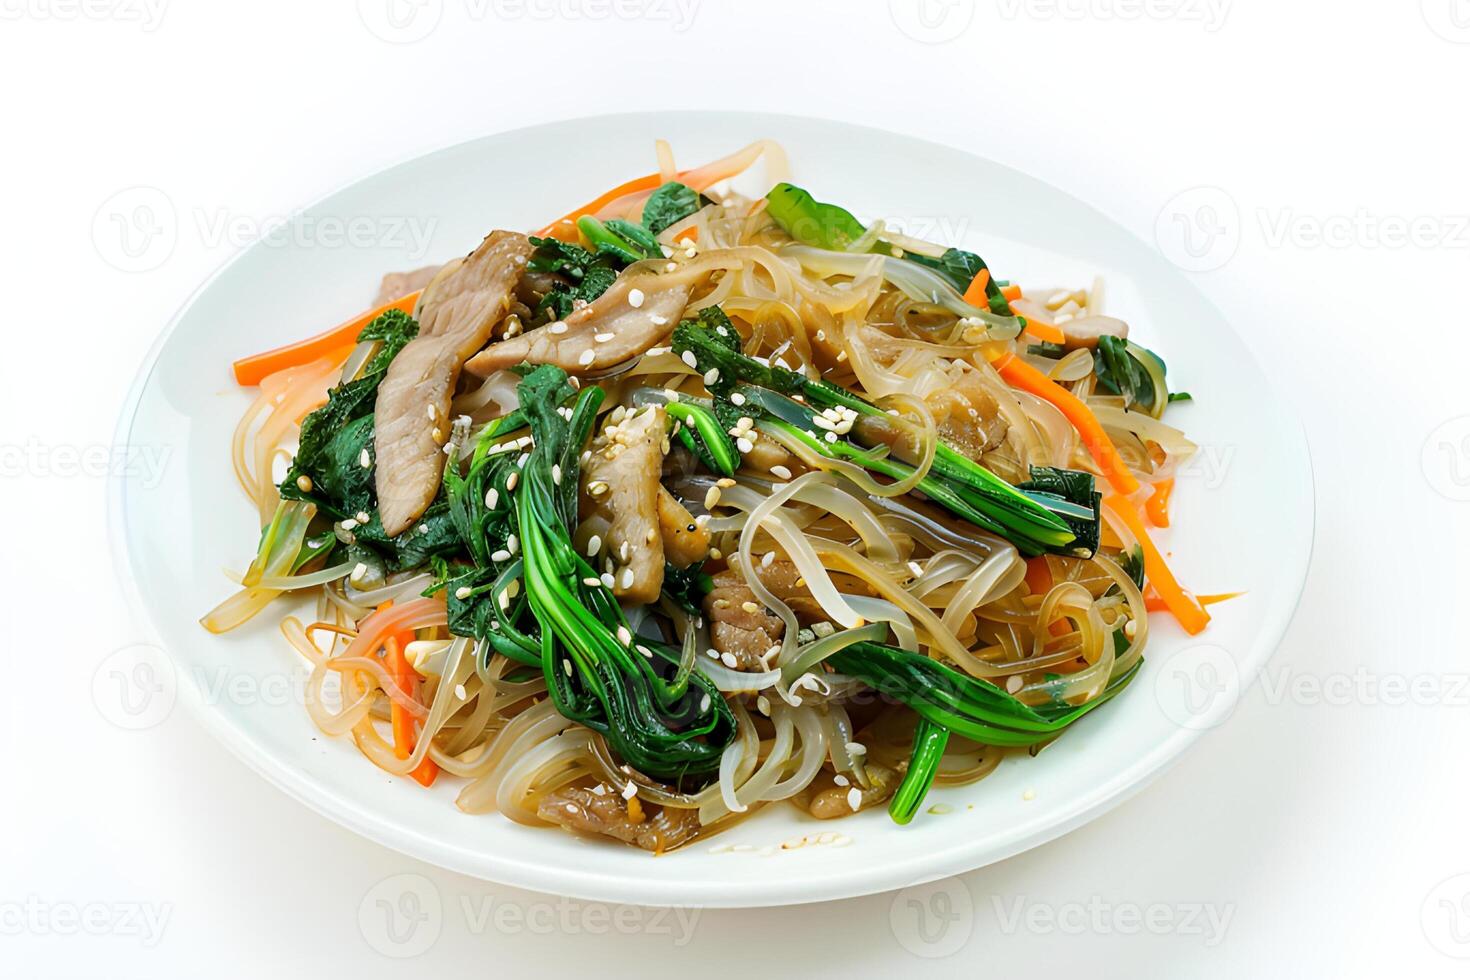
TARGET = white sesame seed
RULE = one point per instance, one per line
(767, 559)
(463, 592)
(359, 570)
(624, 636)
(630, 790)
(592, 581)
(623, 550)
(781, 471)
(744, 445)
(855, 799)
(627, 578)
(603, 338)
(750, 607)
(704, 704)
(736, 398)
(1014, 683)
(606, 580)
(645, 651)
(364, 460)
(461, 693)
(558, 327)
(432, 411)
(349, 524)
(728, 659)
(658, 319)
(556, 473)
(566, 667)
(688, 358)
(363, 517)
(594, 545)
(711, 376)
(831, 437)
(635, 298)
(500, 555)
(856, 748)
(512, 543)
(511, 481)
(303, 483)
(711, 498)
(597, 488)
(492, 497)
(916, 568)
(587, 358)
(840, 779)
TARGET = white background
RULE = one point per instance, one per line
(1324, 824)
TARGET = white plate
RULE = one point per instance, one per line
(1244, 515)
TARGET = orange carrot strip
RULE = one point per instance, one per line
(1157, 506)
(1047, 332)
(975, 292)
(251, 370)
(1153, 603)
(565, 227)
(404, 736)
(1018, 373)
(1011, 293)
(1184, 606)
(1038, 575)
(690, 234)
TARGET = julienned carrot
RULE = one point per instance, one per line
(1011, 293)
(1047, 332)
(250, 370)
(1157, 506)
(1185, 607)
(690, 234)
(1153, 603)
(1038, 575)
(565, 227)
(975, 292)
(404, 736)
(1022, 375)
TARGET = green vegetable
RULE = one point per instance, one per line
(951, 702)
(828, 226)
(657, 713)
(955, 481)
(591, 273)
(1052, 487)
(1134, 372)
(670, 204)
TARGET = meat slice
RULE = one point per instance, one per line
(966, 416)
(741, 626)
(606, 813)
(637, 311)
(620, 483)
(396, 284)
(686, 540)
(456, 313)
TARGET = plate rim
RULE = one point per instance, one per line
(580, 882)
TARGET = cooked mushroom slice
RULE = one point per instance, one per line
(686, 540)
(1086, 331)
(608, 814)
(456, 313)
(396, 284)
(826, 800)
(966, 417)
(740, 626)
(633, 315)
(620, 486)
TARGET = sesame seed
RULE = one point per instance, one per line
(432, 411)
(511, 481)
(627, 578)
(363, 517)
(303, 483)
(630, 790)
(624, 636)
(781, 471)
(750, 607)
(744, 445)
(566, 668)
(840, 779)
(556, 473)
(500, 555)
(438, 434)
(658, 319)
(461, 693)
(587, 358)
(1014, 683)
(558, 327)
(359, 570)
(594, 545)
(635, 298)
(603, 338)
(364, 460)
(856, 748)
(916, 568)
(767, 559)
(736, 398)
(704, 704)
(645, 651)
(623, 550)
(492, 497)
(763, 704)
(711, 498)
(592, 581)
(606, 580)
(512, 543)
(831, 437)
(348, 524)
(597, 488)
(463, 592)
(855, 798)
(688, 358)
(728, 659)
